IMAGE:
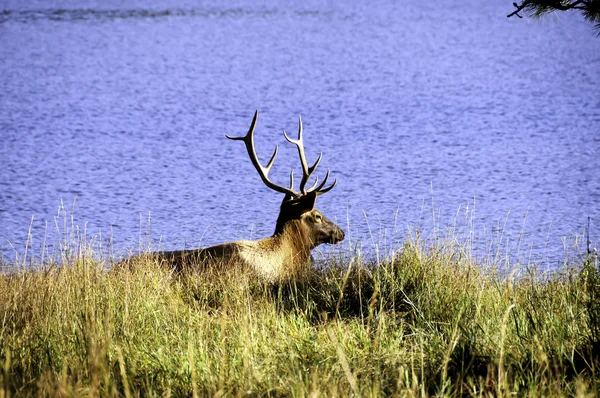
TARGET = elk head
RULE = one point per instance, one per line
(297, 206)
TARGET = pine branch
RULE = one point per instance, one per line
(542, 5)
(589, 8)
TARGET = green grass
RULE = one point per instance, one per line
(428, 320)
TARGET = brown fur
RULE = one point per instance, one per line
(279, 257)
(299, 228)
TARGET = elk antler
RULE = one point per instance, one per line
(264, 171)
(307, 171)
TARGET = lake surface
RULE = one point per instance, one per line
(433, 116)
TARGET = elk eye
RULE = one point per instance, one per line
(318, 218)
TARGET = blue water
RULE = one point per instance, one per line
(433, 116)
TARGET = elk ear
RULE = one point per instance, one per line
(294, 208)
(307, 202)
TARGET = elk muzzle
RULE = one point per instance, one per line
(331, 233)
(337, 235)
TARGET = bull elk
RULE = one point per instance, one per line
(299, 227)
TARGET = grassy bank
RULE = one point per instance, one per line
(426, 321)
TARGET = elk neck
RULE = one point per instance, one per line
(281, 255)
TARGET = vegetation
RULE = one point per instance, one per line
(428, 320)
(590, 9)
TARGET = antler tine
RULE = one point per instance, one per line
(319, 190)
(306, 171)
(314, 166)
(329, 188)
(313, 185)
(262, 171)
(268, 166)
(292, 180)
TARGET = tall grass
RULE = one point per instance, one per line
(425, 320)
